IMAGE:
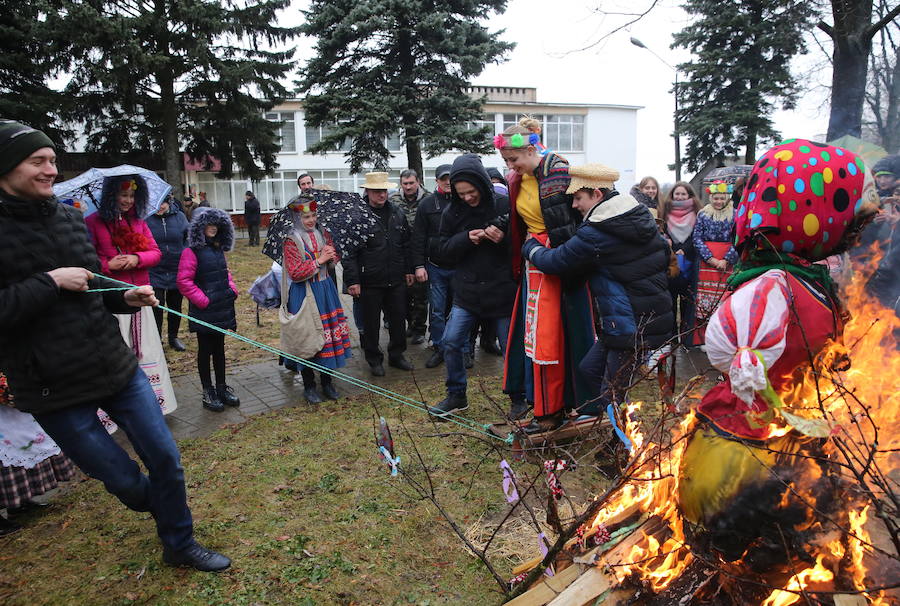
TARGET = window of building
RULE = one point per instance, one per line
(559, 132)
(287, 136)
(485, 120)
(393, 142)
(314, 134)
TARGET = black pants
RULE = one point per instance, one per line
(392, 301)
(211, 345)
(253, 234)
(170, 298)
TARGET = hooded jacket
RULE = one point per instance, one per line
(621, 248)
(58, 348)
(203, 275)
(426, 240)
(170, 232)
(482, 281)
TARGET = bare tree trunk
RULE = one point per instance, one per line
(890, 140)
(171, 148)
(750, 155)
(410, 128)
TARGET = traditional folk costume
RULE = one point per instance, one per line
(800, 201)
(301, 250)
(712, 240)
(112, 235)
(552, 327)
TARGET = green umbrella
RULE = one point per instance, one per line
(869, 152)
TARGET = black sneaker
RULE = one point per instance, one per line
(198, 557)
(211, 400)
(312, 396)
(401, 363)
(452, 404)
(226, 395)
(543, 424)
(436, 359)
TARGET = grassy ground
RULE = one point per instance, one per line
(246, 264)
(300, 501)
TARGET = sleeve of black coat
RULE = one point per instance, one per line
(454, 244)
(26, 300)
(406, 245)
(417, 243)
(350, 263)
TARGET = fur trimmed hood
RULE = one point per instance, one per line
(204, 216)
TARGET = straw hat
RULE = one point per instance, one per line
(378, 181)
(592, 176)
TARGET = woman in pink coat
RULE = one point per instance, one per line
(127, 251)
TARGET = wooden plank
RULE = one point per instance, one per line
(547, 588)
(585, 589)
(846, 599)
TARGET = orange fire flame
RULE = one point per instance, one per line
(861, 404)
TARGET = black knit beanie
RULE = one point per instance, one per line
(17, 142)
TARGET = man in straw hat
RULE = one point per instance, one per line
(378, 272)
(62, 352)
(620, 248)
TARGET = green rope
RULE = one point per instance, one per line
(376, 389)
(107, 289)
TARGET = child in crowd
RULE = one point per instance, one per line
(203, 278)
(678, 212)
(309, 254)
(712, 240)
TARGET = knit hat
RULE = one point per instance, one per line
(592, 176)
(17, 142)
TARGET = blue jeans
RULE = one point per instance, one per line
(456, 341)
(608, 373)
(438, 293)
(136, 410)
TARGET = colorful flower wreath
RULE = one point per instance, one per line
(129, 184)
(719, 187)
(304, 206)
(516, 140)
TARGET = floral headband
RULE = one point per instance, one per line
(304, 206)
(719, 187)
(129, 185)
(516, 140)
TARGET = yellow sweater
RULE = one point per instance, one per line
(528, 205)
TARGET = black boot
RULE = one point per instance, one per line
(453, 403)
(312, 395)
(226, 395)
(518, 410)
(176, 344)
(436, 359)
(329, 390)
(8, 527)
(400, 362)
(211, 400)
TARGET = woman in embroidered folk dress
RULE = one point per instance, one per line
(783, 310)
(712, 240)
(127, 251)
(309, 254)
(551, 328)
(678, 212)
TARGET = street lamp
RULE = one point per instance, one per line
(677, 132)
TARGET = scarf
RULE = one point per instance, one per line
(680, 220)
(313, 241)
(726, 214)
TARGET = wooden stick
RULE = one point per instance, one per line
(547, 588)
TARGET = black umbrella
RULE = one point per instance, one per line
(344, 214)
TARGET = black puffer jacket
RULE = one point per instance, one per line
(58, 348)
(170, 232)
(426, 240)
(482, 281)
(203, 266)
(620, 246)
(385, 258)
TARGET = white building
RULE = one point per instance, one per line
(582, 132)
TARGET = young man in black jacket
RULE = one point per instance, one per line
(428, 265)
(62, 352)
(252, 217)
(378, 272)
(474, 240)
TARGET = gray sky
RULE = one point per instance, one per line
(546, 57)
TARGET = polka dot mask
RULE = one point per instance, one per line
(801, 196)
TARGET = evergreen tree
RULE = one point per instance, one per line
(163, 75)
(383, 66)
(741, 69)
(26, 66)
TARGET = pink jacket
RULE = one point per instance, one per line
(106, 250)
(187, 270)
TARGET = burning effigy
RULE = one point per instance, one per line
(779, 486)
